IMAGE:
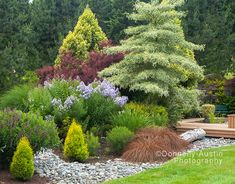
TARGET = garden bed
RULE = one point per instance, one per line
(58, 171)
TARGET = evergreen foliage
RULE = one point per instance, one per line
(211, 22)
(74, 145)
(31, 32)
(85, 37)
(22, 165)
(17, 51)
(159, 61)
(51, 21)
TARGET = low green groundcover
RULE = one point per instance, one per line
(215, 166)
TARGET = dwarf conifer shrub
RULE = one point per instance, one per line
(22, 165)
(74, 145)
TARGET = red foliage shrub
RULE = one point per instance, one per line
(97, 62)
(150, 144)
(45, 73)
(71, 68)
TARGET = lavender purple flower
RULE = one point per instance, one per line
(86, 90)
(69, 101)
(121, 101)
(56, 102)
(107, 89)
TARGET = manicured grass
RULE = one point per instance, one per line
(215, 166)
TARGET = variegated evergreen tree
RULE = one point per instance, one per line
(158, 59)
(85, 37)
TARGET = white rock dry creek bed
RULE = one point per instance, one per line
(49, 165)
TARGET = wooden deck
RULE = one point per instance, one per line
(212, 130)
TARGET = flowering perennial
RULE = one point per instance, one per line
(121, 100)
(86, 91)
(105, 88)
(67, 103)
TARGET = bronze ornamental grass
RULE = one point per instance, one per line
(154, 144)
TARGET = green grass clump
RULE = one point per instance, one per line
(131, 120)
(16, 98)
(118, 138)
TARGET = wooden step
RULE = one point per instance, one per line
(212, 130)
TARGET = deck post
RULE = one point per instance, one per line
(231, 121)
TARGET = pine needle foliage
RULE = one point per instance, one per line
(85, 37)
(159, 59)
(22, 166)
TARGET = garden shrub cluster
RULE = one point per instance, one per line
(15, 124)
(83, 87)
(22, 165)
(96, 105)
(60, 100)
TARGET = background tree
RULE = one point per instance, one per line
(51, 22)
(17, 52)
(159, 61)
(117, 21)
(212, 22)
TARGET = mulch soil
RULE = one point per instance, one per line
(6, 178)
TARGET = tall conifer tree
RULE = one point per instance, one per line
(159, 60)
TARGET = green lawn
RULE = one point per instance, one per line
(214, 166)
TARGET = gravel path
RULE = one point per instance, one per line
(49, 165)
